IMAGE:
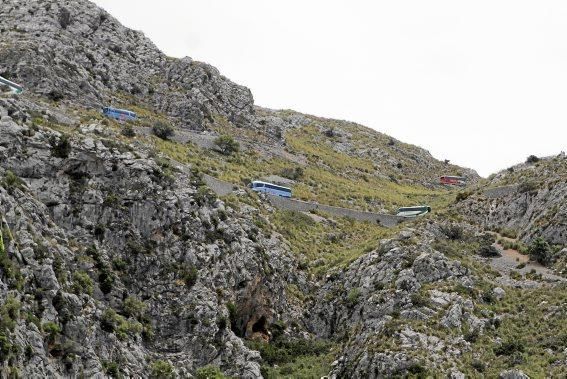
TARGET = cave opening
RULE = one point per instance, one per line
(260, 326)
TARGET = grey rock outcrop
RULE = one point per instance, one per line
(106, 224)
(533, 203)
(73, 50)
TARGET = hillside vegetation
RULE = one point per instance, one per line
(117, 259)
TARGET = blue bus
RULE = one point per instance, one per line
(119, 114)
(270, 188)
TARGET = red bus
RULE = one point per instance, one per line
(453, 180)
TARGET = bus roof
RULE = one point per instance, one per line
(119, 110)
(272, 184)
(415, 208)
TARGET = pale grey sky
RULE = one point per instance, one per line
(482, 83)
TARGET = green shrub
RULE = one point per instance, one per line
(163, 131)
(133, 307)
(204, 196)
(283, 350)
(488, 251)
(478, 365)
(119, 264)
(161, 370)
(5, 348)
(233, 317)
(209, 372)
(111, 369)
(112, 322)
(52, 330)
(11, 180)
(109, 320)
(515, 275)
(510, 233)
(420, 300)
(462, 196)
(82, 283)
(540, 251)
(353, 297)
(452, 231)
(532, 159)
(528, 186)
(106, 281)
(9, 314)
(61, 148)
(128, 131)
(190, 275)
(510, 347)
(222, 323)
(227, 145)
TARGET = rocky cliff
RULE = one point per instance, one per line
(527, 199)
(117, 260)
(129, 260)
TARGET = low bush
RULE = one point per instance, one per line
(61, 148)
(227, 145)
(488, 251)
(9, 313)
(209, 372)
(420, 300)
(528, 186)
(82, 283)
(452, 231)
(462, 196)
(163, 130)
(284, 350)
(52, 330)
(128, 131)
(133, 307)
(509, 347)
(11, 180)
(532, 159)
(161, 370)
(540, 251)
(233, 317)
(353, 297)
(204, 196)
(190, 275)
(105, 280)
(510, 233)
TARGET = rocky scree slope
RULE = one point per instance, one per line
(113, 257)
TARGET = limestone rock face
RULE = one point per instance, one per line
(107, 228)
(74, 50)
(528, 198)
(360, 296)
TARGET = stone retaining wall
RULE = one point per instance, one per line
(493, 193)
(303, 206)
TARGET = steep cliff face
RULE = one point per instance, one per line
(127, 259)
(528, 199)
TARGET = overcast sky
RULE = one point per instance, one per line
(482, 83)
